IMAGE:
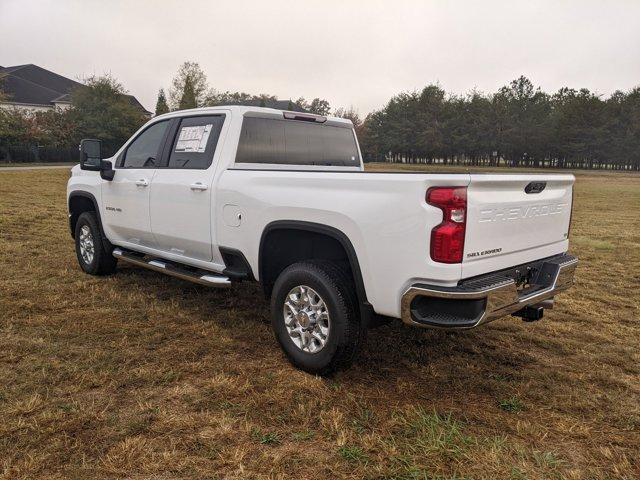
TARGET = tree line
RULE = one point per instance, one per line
(519, 125)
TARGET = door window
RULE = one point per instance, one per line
(144, 151)
(195, 142)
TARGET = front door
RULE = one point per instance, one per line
(125, 199)
(181, 191)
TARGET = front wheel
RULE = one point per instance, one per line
(92, 255)
(314, 317)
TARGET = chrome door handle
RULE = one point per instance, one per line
(198, 186)
(143, 182)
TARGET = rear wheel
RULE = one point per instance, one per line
(92, 255)
(314, 317)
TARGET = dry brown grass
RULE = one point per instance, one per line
(138, 375)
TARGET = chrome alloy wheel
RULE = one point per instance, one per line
(86, 244)
(307, 319)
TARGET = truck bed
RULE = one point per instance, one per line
(388, 220)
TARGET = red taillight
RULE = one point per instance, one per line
(447, 239)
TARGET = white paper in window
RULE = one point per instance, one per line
(193, 139)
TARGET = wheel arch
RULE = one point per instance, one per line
(79, 202)
(366, 309)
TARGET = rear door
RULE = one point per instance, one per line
(514, 219)
(181, 192)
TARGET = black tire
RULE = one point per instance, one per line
(103, 262)
(346, 332)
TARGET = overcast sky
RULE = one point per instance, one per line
(353, 53)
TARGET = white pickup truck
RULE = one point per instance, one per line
(230, 194)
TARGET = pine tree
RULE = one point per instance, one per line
(188, 98)
(161, 104)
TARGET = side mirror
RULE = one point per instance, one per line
(90, 154)
(91, 159)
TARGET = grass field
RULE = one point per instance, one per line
(36, 164)
(139, 375)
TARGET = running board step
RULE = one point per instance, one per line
(210, 279)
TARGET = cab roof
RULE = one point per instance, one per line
(257, 111)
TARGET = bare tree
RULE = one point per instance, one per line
(350, 114)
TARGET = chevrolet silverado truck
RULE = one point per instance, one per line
(230, 194)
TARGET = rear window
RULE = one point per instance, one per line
(291, 142)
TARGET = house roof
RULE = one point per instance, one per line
(34, 85)
(134, 101)
(66, 98)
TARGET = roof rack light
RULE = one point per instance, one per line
(304, 117)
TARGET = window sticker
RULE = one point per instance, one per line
(193, 139)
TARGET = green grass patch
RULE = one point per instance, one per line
(433, 432)
(352, 453)
(512, 404)
(269, 438)
(304, 435)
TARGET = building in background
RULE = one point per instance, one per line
(33, 88)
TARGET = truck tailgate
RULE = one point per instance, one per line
(514, 219)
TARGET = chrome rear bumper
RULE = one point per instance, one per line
(488, 297)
